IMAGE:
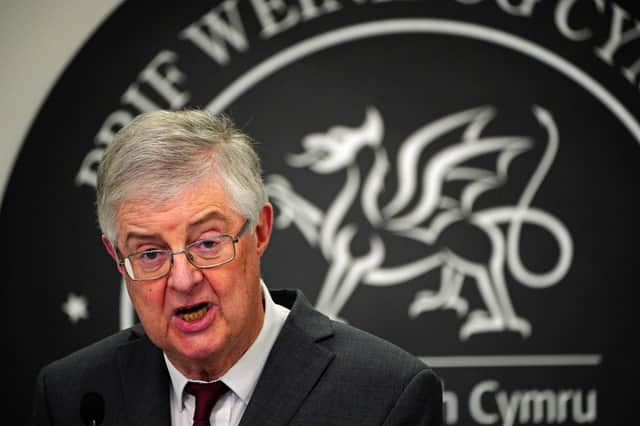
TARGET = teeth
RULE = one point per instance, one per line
(195, 315)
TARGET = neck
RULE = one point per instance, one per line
(219, 362)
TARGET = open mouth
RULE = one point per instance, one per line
(193, 313)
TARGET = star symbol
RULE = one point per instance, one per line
(75, 307)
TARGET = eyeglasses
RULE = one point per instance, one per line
(206, 253)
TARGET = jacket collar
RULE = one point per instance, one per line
(293, 367)
(145, 381)
(295, 363)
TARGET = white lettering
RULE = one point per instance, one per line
(616, 37)
(591, 414)
(508, 406)
(531, 406)
(114, 122)
(163, 79)
(451, 409)
(524, 8)
(133, 96)
(563, 10)
(212, 31)
(536, 401)
(88, 169)
(310, 10)
(563, 400)
(161, 74)
(266, 10)
(631, 73)
(475, 402)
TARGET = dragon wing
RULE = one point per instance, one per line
(449, 163)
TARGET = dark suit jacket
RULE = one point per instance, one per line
(319, 372)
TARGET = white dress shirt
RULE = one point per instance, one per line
(241, 378)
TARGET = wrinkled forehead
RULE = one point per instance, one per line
(157, 207)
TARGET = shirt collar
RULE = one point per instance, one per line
(243, 376)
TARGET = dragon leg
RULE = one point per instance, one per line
(447, 296)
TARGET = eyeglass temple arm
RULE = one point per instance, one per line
(243, 230)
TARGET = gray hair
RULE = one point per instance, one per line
(159, 154)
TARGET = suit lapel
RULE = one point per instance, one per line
(294, 366)
(145, 382)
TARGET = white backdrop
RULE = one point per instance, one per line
(37, 40)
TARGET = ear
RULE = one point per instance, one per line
(112, 252)
(263, 228)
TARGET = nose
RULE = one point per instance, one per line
(183, 276)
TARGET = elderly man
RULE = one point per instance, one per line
(186, 219)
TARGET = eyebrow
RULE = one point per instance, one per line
(197, 221)
(207, 216)
(140, 236)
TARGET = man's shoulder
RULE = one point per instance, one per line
(97, 355)
(361, 357)
(374, 380)
(356, 343)
(352, 347)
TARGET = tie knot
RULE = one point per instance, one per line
(206, 396)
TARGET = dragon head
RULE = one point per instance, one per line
(336, 149)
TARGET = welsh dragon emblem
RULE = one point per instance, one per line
(420, 210)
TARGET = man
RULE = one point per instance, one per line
(185, 217)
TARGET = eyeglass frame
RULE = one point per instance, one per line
(189, 256)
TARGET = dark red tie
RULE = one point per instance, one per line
(206, 396)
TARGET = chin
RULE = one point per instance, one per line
(198, 349)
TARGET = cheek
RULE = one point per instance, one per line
(147, 301)
(230, 288)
